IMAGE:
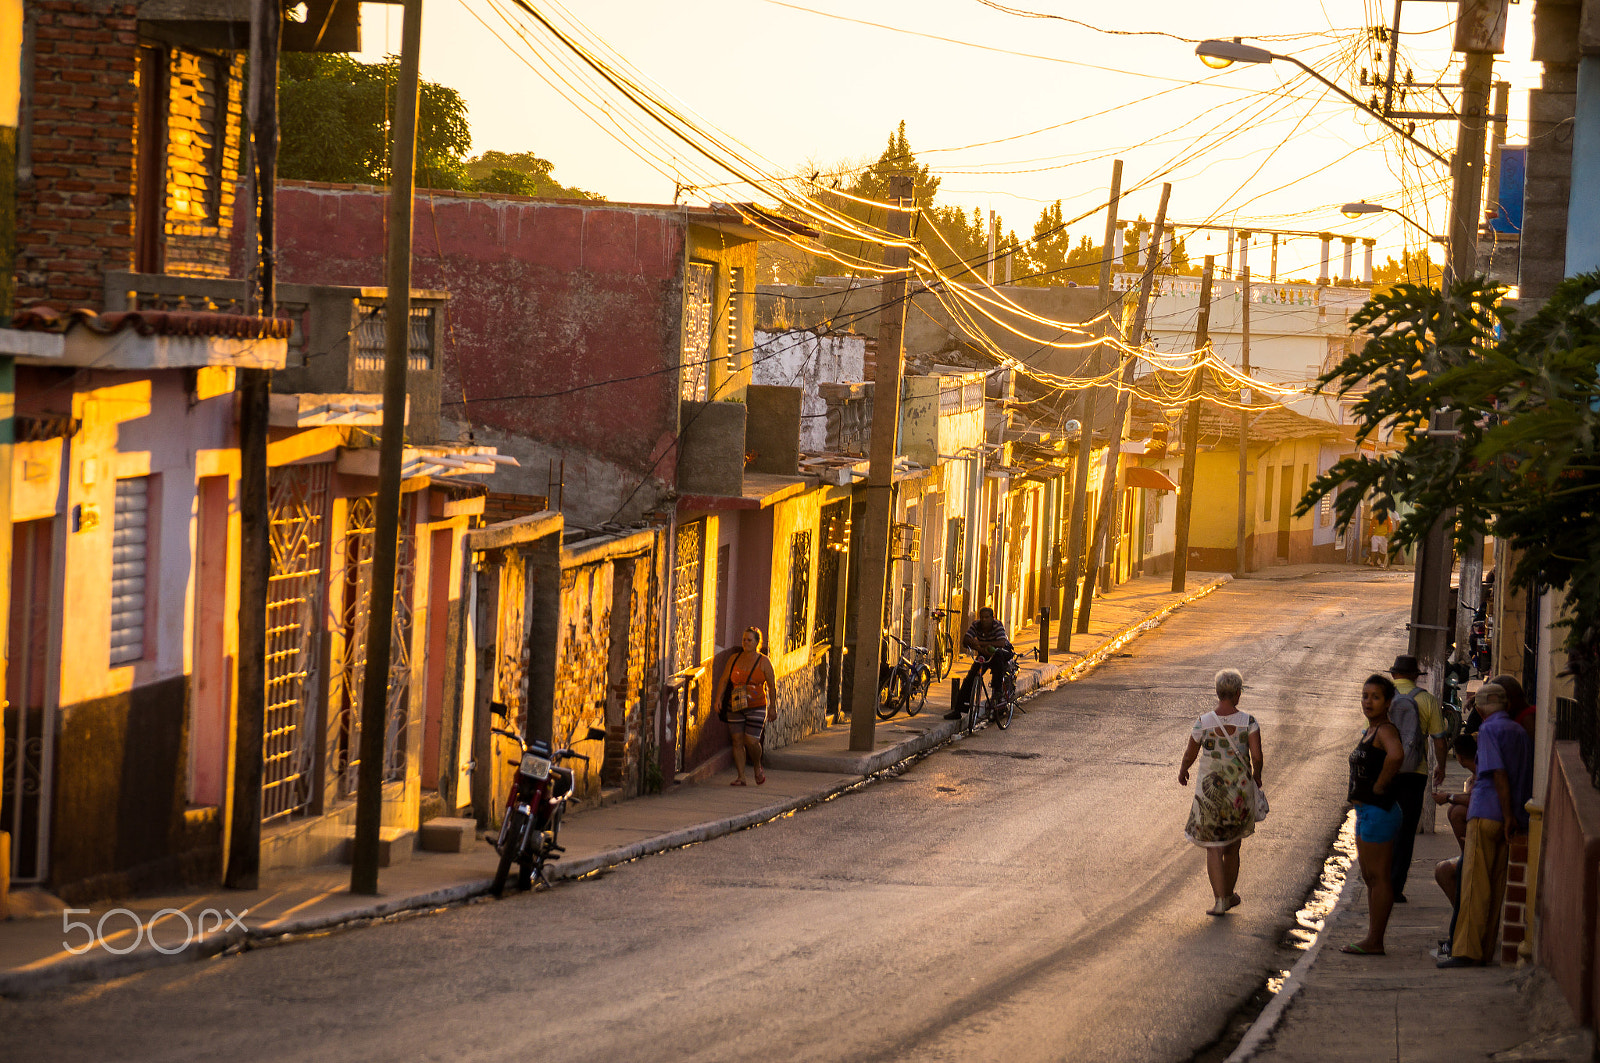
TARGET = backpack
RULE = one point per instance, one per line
(1403, 714)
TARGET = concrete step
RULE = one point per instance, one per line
(445, 834)
(395, 844)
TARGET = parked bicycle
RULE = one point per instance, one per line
(903, 686)
(942, 651)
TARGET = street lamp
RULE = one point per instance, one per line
(1220, 54)
(1355, 210)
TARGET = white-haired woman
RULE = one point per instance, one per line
(1227, 743)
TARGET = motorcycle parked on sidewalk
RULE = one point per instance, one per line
(531, 824)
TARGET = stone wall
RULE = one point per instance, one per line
(802, 703)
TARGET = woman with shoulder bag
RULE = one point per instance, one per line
(1227, 790)
(744, 691)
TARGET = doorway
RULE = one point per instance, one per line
(1285, 504)
(30, 728)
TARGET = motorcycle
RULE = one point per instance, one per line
(1479, 642)
(531, 824)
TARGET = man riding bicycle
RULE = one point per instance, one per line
(986, 640)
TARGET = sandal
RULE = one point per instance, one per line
(738, 782)
(1357, 950)
(761, 777)
(1234, 900)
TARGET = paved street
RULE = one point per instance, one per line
(1024, 895)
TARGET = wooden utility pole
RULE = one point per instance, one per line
(1240, 561)
(1119, 419)
(1430, 589)
(1191, 433)
(1086, 404)
(880, 475)
(386, 534)
(255, 392)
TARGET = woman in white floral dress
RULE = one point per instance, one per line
(1227, 743)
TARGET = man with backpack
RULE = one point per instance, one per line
(1417, 716)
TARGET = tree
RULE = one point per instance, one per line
(1523, 457)
(1415, 268)
(334, 113)
(519, 174)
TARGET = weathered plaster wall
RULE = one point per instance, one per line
(802, 680)
(546, 297)
(803, 358)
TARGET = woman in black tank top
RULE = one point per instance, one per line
(1374, 763)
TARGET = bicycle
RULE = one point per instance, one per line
(998, 706)
(904, 686)
(943, 652)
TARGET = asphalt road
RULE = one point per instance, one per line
(1021, 895)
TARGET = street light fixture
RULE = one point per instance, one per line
(1355, 210)
(1220, 54)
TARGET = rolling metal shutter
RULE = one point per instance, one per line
(129, 567)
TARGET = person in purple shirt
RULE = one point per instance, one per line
(1496, 816)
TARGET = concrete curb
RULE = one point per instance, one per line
(1127, 634)
(1272, 1014)
(103, 965)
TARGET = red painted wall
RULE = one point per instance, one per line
(1569, 879)
(544, 297)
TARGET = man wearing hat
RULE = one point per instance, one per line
(1410, 788)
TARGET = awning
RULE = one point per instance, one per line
(1154, 479)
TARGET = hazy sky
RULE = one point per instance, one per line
(1256, 145)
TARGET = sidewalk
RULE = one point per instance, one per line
(116, 938)
(1335, 1008)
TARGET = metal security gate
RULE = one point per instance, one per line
(298, 501)
(360, 530)
(29, 753)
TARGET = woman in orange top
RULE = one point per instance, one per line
(744, 691)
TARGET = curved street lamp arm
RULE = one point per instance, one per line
(1386, 121)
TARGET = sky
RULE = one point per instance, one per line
(1011, 111)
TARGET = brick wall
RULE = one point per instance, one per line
(1514, 917)
(75, 193)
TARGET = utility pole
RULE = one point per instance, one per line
(992, 241)
(1119, 419)
(255, 393)
(1430, 589)
(1191, 434)
(1086, 404)
(880, 474)
(386, 534)
(1240, 560)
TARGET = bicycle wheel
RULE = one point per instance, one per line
(917, 689)
(944, 655)
(891, 695)
(977, 704)
(1004, 706)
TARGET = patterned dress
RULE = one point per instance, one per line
(1224, 808)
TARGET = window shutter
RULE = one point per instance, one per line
(129, 568)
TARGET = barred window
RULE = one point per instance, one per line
(699, 282)
(686, 596)
(735, 319)
(799, 588)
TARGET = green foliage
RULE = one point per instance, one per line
(1525, 464)
(334, 114)
(1413, 268)
(519, 174)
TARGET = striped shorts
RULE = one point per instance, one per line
(752, 721)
